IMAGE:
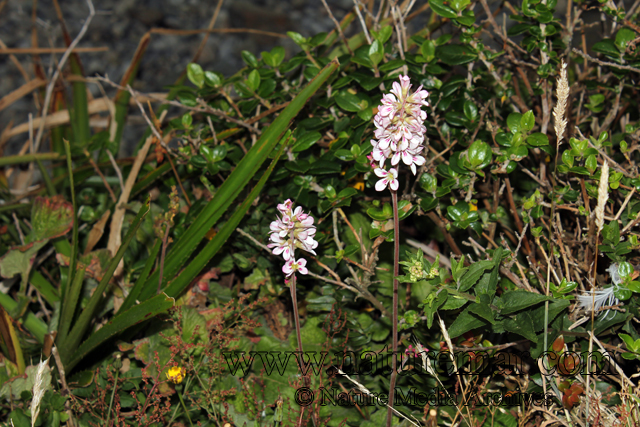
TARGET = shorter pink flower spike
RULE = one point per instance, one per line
(388, 179)
(292, 266)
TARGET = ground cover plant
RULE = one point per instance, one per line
(388, 227)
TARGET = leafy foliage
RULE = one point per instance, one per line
(166, 268)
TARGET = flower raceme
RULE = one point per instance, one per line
(294, 229)
(399, 131)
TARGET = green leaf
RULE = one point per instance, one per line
(479, 154)
(19, 261)
(632, 345)
(513, 301)
(51, 217)
(428, 182)
(428, 50)
(470, 110)
(537, 139)
(194, 268)
(249, 59)
(476, 270)
(521, 324)
(195, 74)
(212, 79)
(527, 121)
(306, 141)
(459, 5)
(455, 54)
(348, 102)
(253, 80)
(441, 9)
(555, 308)
(514, 122)
(376, 52)
(70, 305)
(465, 322)
(483, 310)
(623, 37)
(297, 38)
(607, 47)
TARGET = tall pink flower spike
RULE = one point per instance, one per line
(399, 131)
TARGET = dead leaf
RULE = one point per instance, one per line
(96, 232)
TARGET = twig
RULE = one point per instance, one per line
(116, 168)
(65, 388)
(626, 200)
(15, 219)
(99, 172)
(161, 141)
(516, 217)
(608, 64)
(48, 50)
(338, 28)
(362, 23)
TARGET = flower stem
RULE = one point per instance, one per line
(394, 318)
(294, 300)
(186, 411)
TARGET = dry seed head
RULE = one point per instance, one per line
(603, 195)
(39, 387)
(562, 92)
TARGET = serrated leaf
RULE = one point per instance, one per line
(513, 301)
(476, 270)
(465, 322)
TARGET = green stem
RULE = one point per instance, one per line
(394, 318)
(113, 393)
(27, 158)
(186, 411)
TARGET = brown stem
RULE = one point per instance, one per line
(394, 317)
(294, 300)
(164, 251)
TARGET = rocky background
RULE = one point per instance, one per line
(119, 25)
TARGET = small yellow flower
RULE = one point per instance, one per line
(472, 207)
(358, 185)
(176, 374)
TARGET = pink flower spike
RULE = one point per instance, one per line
(285, 208)
(388, 179)
(292, 266)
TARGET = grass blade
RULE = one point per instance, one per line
(137, 287)
(193, 269)
(74, 235)
(235, 183)
(119, 323)
(84, 320)
(69, 305)
(46, 289)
